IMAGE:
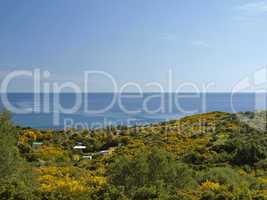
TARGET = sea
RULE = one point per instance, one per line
(94, 110)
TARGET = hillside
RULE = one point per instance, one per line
(207, 156)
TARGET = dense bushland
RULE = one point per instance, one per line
(213, 156)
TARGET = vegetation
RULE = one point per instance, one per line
(213, 156)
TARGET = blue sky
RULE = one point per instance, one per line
(134, 40)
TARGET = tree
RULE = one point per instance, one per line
(154, 174)
(15, 177)
(9, 157)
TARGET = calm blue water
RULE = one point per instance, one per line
(127, 109)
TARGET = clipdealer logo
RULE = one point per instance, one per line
(169, 102)
(255, 83)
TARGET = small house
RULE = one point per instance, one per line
(103, 152)
(79, 147)
(118, 132)
(88, 157)
(36, 144)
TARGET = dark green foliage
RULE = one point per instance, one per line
(9, 157)
(150, 175)
(15, 178)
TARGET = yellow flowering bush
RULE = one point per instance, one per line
(27, 136)
(50, 153)
(262, 180)
(50, 183)
(69, 178)
(209, 185)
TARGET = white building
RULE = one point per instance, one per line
(89, 157)
(79, 147)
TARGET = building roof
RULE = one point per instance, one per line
(79, 147)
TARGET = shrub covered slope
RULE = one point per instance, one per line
(213, 156)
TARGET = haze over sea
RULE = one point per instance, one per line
(127, 109)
